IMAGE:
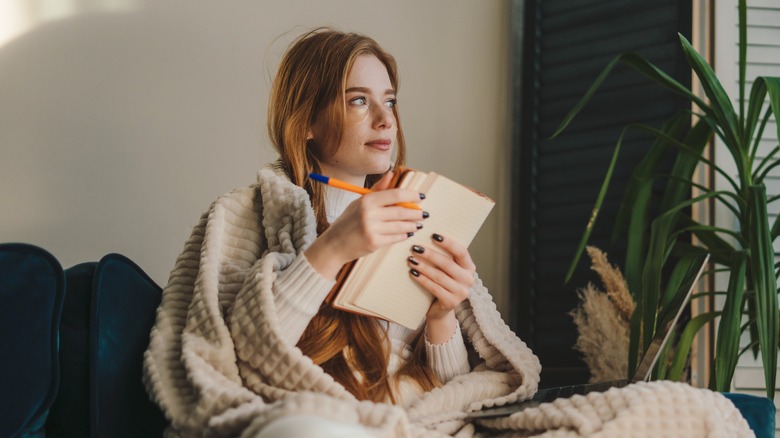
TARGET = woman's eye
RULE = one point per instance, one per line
(391, 103)
(358, 101)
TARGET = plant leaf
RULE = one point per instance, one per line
(634, 333)
(659, 371)
(764, 285)
(760, 178)
(768, 161)
(686, 149)
(633, 216)
(652, 273)
(596, 207)
(742, 57)
(636, 239)
(675, 279)
(646, 170)
(758, 135)
(685, 164)
(729, 329)
(720, 103)
(755, 104)
(644, 67)
(706, 229)
(773, 89)
(657, 252)
(684, 344)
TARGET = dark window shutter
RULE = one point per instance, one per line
(565, 45)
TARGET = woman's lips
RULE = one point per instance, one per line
(382, 144)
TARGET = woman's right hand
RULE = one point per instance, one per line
(369, 223)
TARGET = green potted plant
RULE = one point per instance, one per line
(654, 244)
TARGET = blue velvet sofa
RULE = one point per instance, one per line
(72, 343)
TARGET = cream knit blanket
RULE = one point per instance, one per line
(218, 367)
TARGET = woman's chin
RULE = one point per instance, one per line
(381, 169)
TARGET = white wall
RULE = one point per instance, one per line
(121, 120)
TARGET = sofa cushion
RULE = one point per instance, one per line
(69, 415)
(32, 289)
(124, 303)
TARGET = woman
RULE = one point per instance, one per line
(351, 130)
(242, 337)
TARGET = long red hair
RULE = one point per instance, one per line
(310, 83)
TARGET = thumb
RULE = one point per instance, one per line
(384, 183)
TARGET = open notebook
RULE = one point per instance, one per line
(379, 284)
(666, 323)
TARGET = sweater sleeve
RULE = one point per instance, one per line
(298, 293)
(449, 359)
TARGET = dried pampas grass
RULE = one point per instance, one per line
(602, 320)
(614, 284)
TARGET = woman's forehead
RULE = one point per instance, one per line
(369, 72)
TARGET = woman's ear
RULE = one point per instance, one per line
(309, 135)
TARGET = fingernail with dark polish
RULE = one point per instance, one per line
(414, 272)
(425, 215)
(437, 237)
(422, 195)
(409, 234)
(413, 261)
(419, 226)
(418, 249)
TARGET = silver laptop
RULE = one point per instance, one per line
(643, 372)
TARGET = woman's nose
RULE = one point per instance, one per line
(384, 118)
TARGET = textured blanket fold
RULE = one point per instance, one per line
(653, 409)
(218, 366)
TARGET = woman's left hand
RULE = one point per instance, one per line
(448, 277)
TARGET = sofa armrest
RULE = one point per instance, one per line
(758, 411)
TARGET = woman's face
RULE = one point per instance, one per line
(370, 127)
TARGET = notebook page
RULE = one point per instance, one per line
(455, 212)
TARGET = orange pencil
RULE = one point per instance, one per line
(333, 182)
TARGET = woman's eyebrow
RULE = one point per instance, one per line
(366, 90)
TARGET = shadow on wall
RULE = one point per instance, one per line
(115, 126)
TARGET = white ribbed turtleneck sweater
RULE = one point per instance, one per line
(298, 304)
